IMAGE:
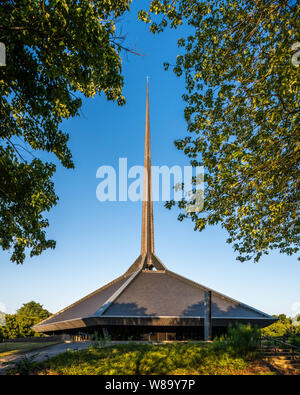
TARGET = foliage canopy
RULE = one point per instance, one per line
(283, 327)
(242, 113)
(19, 324)
(54, 49)
(33, 309)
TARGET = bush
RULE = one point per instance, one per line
(23, 366)
(294, 340)
(280, 328)
(176, 358)
(242, 340)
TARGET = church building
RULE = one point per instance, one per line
(149, 301)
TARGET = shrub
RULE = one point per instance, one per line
(294, 340)
(24, 366)
(279, 328)
(242, 340)
(176, 358)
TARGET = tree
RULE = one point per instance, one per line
(25, 323)
(33, 309)
(284, 319)
(54, 49)
(20, 324)
(11, 328)
(28, 315)
(2, 323)
(242, 114)
(2, 318)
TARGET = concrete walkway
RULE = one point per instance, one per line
(41, 354)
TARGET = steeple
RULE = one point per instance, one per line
(147, 260)
(147, 247)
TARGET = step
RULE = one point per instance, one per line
(287, 356)
(281, 354)
(283, 358)
(292, 371)
(288, 368)
(295, 362)
(286, 365)
(278, 362)
(275, 360)
(277, 346)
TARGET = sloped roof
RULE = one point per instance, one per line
(87, 305)
(148, 293)
(163, 293)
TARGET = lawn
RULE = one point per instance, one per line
(17, 348)
(134, 359)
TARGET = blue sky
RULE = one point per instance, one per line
(97, 242)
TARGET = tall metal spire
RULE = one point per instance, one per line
(147, 260)
(147, 247)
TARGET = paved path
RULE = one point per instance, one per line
(41, 354)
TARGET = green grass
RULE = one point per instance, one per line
(18, 348)
(174, 358)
